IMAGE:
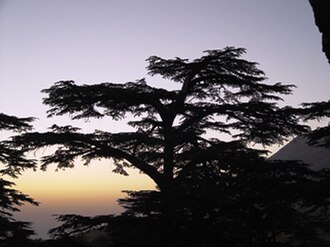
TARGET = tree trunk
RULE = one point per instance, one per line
(169, 228)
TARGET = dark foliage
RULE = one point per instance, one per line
(317, 111)
(210, 190)
(220, 92)
(12, 232)
(14, 123)
(246, 201)
(321, 136)
(13, 158)
(321, 9)
(124, 230)
(259, 204)
(77, 224)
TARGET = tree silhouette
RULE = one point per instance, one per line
(176, 130)
(219, 92)
(317, 111)
(258, 203)
(10, 199)
(321, 9)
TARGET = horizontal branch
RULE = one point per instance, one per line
(73, 145)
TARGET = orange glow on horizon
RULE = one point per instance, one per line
(91, 184)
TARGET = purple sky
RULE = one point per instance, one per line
(93, 41)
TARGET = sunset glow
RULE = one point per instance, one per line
(86, 190)
(43, 42)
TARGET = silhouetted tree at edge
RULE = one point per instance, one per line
(12, 160)
(317, 111)
(258, 203)
(177, 131)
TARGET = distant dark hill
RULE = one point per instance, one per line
(298, 149)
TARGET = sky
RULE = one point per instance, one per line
(93, 41)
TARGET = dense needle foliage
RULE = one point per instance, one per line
(221, 93)
(10, 199)
(210, 189)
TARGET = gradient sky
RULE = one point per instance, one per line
(92, 41)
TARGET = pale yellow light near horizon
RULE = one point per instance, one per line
(90, 184)
(85, 190)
